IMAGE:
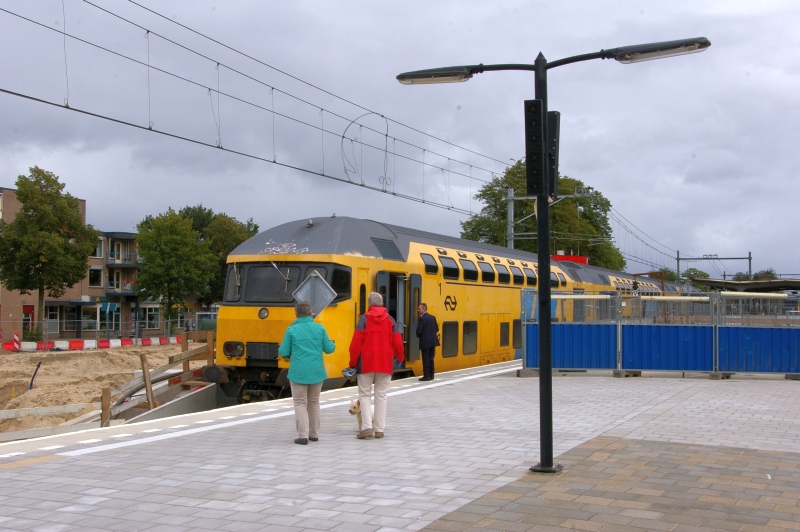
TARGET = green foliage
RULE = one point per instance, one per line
(694, 273)
(222, 233)
(175, 264)
(741, 276)
(47, 246)
(34, 334)
(578, 225)
(669, 275)
(765, 275)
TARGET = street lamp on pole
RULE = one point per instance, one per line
(539, 180)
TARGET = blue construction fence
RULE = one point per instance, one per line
(712, 342)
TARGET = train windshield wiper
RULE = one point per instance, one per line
(285, 277)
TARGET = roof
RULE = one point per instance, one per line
(765, 285)
(343, 235)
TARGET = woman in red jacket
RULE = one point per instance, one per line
(376, 340)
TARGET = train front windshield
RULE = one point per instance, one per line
(273, 283)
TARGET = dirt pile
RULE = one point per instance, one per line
(68, 377)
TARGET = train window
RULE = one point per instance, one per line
(531, 276)
(562, 279)
(470, 271)
(518, 277)
(271, 284)
(516, 333)
(323, 272)
(553, 280)
(340, 282)
(449, 339)
(362, 299)
(233, 285)
(449, 268)
(503, 334)
(430, 264)
(487, 272)
(387, 249)
(502, 274)
(469, 339)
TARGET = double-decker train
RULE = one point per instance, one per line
(472, 288)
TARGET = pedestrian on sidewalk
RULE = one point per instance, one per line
(428, 334)
(303, 344)
(376, 340)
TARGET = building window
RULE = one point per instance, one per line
(449, 338)
(89, 318)
(70, 319)
(517, 334)
(470, 339)
(98, 251)
(151, 317)
(52, 312)
(504, 334)
(96, 278)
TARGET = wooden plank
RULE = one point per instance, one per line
(148, 387)
(196, 383)
(46, 410)
(186, 355)
(126, 406)
(105, 406)
(210, 347)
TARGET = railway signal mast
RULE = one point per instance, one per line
(541, 142)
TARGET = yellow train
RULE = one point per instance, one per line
(472, 288)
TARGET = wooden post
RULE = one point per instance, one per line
(210, 347)
(148, 387)
(185, 347)
(105, 406)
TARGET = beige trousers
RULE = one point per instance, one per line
(306, 409)
(380, 382)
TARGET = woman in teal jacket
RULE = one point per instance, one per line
(303, 343)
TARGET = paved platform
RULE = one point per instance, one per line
(451, 445)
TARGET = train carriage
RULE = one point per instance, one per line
(472, 288)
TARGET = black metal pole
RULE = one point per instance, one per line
(545, 351)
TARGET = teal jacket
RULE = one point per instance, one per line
(303, 343)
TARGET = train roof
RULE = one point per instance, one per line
(343, 235)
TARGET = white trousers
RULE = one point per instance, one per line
(380, 383)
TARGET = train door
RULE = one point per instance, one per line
(363, 280)
(488, 338)
(392, 287)
(414, 299)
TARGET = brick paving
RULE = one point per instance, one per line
(450, 446)
(619, 484)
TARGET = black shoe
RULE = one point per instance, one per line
(313, 439)
(301, 441)
(425, 379)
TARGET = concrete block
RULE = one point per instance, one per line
(527, 372)
(719, 375)
(620, 373)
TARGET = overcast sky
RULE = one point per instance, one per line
(699, 152)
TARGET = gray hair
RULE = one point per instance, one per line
(423, 305)
(302, 309)
(375, 299)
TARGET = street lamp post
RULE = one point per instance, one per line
(538, 183)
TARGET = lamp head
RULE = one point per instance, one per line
(436, 75)
(658, 50)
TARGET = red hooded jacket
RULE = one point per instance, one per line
(377, 338)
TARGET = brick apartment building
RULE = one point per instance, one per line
(103, 305)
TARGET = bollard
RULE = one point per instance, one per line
(16, 341)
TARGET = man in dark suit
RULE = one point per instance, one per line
(428, 334)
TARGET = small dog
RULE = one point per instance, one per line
(355, 410)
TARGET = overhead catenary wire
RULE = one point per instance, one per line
(243, 101)
(235, 152)
(251, 78)
(301, 80)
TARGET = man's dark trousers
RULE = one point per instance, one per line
(427, 362)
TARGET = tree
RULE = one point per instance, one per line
(669, 275)
(223, 234)
(767, 274)
(47, 246)
(578, 225)
(694, 273)
(174, 263)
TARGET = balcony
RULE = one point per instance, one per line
(124, 288)
(122, 259)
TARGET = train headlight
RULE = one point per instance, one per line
(263, 313)
(233, 349)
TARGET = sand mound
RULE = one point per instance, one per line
(68, 377)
